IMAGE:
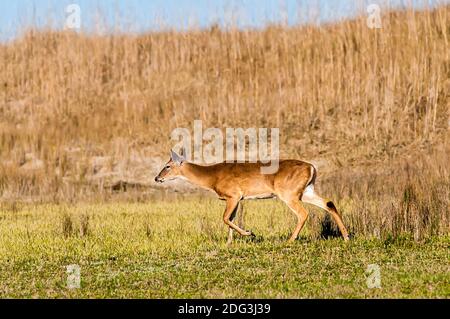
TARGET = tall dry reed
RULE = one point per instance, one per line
(354, 96)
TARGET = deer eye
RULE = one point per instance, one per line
(167, 167)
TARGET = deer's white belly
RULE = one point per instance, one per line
(260, 196)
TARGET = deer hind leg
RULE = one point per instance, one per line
(232, 205)
(310, 197)
(302, 214)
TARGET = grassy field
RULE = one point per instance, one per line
(177, 249)
(81, 115)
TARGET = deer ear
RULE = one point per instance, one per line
(183, 153)
(177, 159)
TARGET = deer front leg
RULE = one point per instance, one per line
(230, 229)
(232, 205)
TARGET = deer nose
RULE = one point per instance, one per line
(156, 179)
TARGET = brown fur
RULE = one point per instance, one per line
(234, 182)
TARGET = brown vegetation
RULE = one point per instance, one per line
(372, 104)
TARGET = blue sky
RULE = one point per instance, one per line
(142, 15)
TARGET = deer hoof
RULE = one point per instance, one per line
(249, 233)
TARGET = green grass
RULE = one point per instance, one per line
(176, 249)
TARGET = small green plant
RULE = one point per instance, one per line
(67, 224)
(84, 225)
(148, 231)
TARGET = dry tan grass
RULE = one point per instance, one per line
(374, 104)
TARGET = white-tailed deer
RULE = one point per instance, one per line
(293, 183)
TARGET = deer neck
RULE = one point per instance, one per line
(197, 174)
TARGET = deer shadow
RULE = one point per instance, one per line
(328, 228)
